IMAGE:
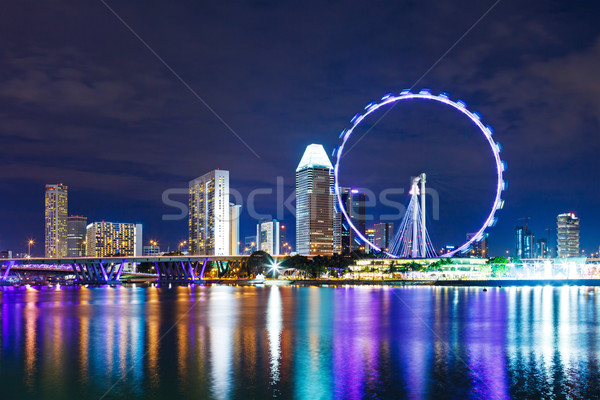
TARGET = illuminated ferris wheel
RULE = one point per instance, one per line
(411, 239)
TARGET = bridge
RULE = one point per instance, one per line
(174, 269)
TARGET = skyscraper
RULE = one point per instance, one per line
(314, 203)
(479, 248)
(384, 233)
(56, 206)
(541, 248)
(524, 242)
(76, 232)
(567, 235)
(355, 206)
(104, 239)
(284, 247)
(234, 229)
(209, 214)
(267, 237)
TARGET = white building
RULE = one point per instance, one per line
(268, 236)
(209, 214)
(234, 229)
(315, 203)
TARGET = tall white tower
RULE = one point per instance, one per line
(314, 203)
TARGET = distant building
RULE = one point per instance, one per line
(267, 237)
(447, 249)
(370, 234)
(567, 235)
(6, 254)
(384, 233)
(524, 242)
(354, 204)
(209, 221)
(76, 232)
(56, 206)
(249, 245)
(541, 248)
(479, 248)
(234, 229)
(105, 239)
(284, 246)
(314, 203)
(152, 250)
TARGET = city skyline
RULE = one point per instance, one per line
(126, 157)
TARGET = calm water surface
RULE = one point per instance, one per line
(226, 342)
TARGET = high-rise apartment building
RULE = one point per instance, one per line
(268, 236)
(209, 214)
(314, 203)
(105, 239)
(56, 206)
(524, 242)
(383, 235)
(76, 232)
(479, 248)
(567, 235)
(234, 229)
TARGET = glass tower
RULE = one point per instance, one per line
(567, 234)
(314, 203)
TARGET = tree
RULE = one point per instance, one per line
(258, 262)
(499, 266)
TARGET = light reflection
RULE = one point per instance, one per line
(274, 327)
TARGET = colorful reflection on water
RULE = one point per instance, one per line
(227, 342)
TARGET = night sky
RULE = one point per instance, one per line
(84, 102)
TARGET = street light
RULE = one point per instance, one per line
(29, 244)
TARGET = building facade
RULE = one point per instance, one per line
(76, 232)
(235, 211)
(105, 239)
(567, 235)
(314, 203)
(383, 235)
(479, 248)
(209, 214)
(524, 242)
(268, 237)
(354, 204)
(56, 208)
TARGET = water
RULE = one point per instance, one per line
(226, 342)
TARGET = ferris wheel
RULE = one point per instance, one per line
(411, 239)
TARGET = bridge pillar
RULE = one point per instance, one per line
(7, 270)
(95, 272)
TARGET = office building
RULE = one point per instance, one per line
(209, 214)
(268, 236)
(383, 235)
(370, 233)
(105, 239)
(76, 231)
(56, 206)
(152, 250)
(249, 245)
(479, 248)
(567, 235)
(524, 242)
(284, 246)
(314, 203)
(541, 248)
(354, 204)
